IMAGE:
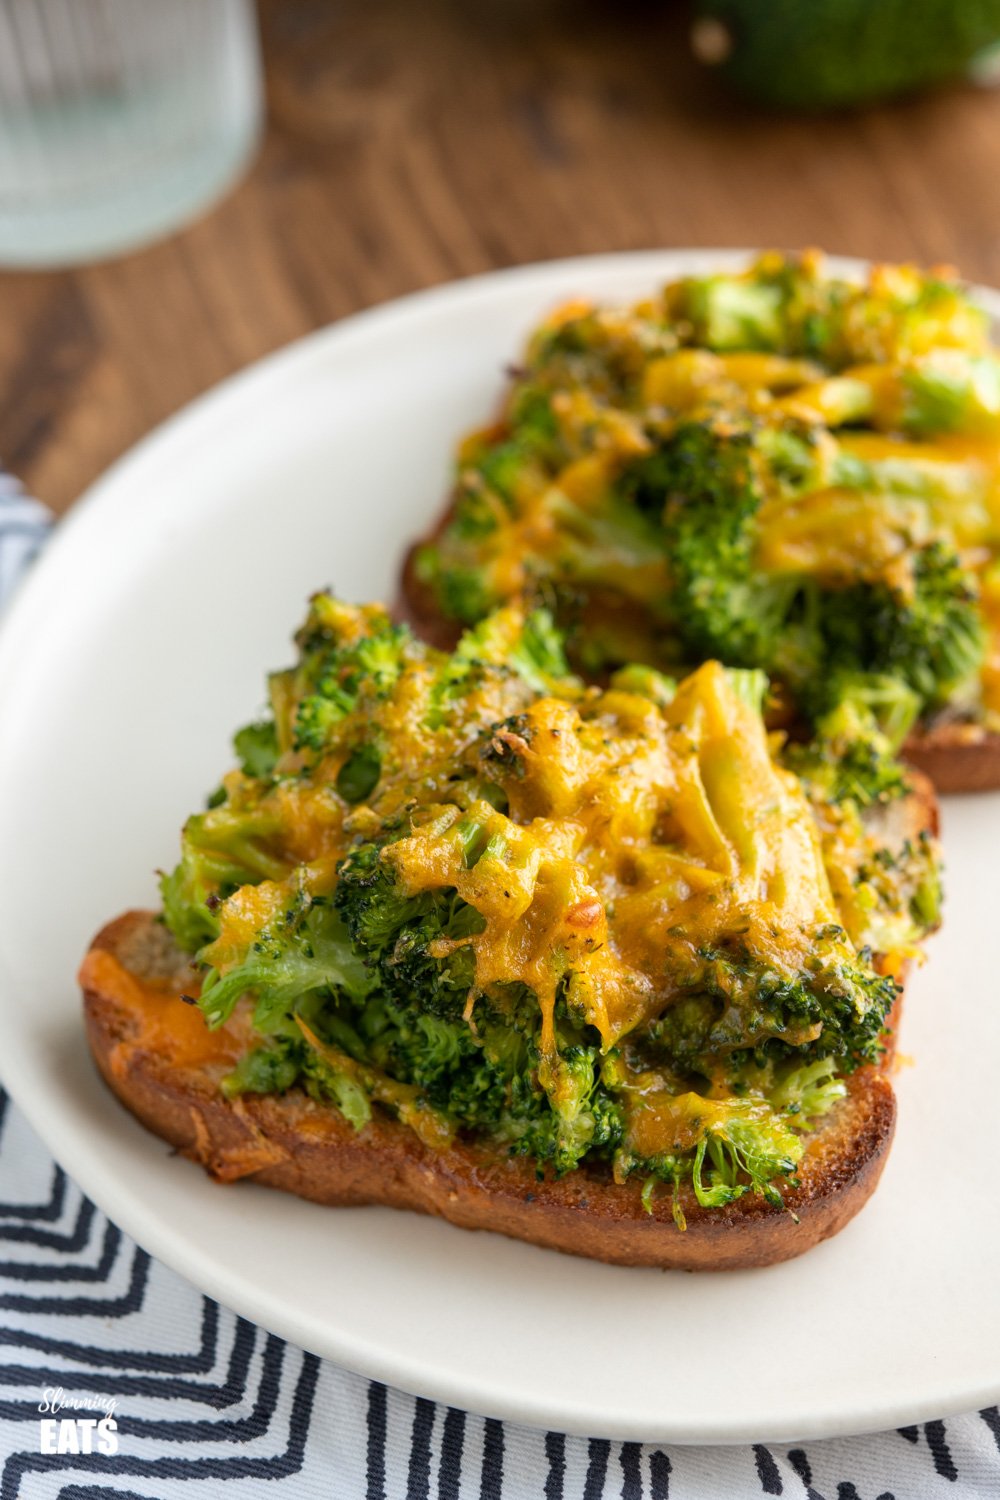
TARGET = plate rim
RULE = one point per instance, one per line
(103, 499)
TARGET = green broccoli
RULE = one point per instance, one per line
(222, 849)
(342, 675)
(710, 483)
(256, 747)
(524, 646)
(339, 894)
(790, 307)
(395, 931)
(737, 1008)
(705, 485)
(851, 755)
(928, 635)
(271, 1069)
(775, 467)
(734, 312)
(464, 592)
(307, 948)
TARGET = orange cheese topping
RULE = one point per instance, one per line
(634, 838)
(990, 597)
(849, 526)
(164, 1023)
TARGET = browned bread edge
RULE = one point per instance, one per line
(957, 757)
(292, 1143)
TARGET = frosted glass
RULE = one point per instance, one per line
(119, 120)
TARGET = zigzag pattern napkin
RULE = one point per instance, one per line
(205, 1404)
(24, 524)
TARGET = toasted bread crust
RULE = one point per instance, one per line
(957, 757)
(292, 1143)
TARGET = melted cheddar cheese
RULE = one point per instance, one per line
(893, 387)
(634, 839)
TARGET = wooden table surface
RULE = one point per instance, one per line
(410, 144)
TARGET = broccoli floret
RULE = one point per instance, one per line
(256, 747)
(531, 416)
(853, 767)
(790, 307)
(599, 350)
(349, 659)
(852, 753)
(186, 892)
(365, 969)
(706, 484)
(778, 305)
(734, 312)
(615, 542)
(271, 1069)
(430, 1050)
(394, 931)
(925, 903)
(738, 1008)
(508, 642)
(745, 1155)
(950, 391)
(647, 682)
(359, 775)
(463, 591)
(347, 1092)
(286, 1061)
(318, 715)
(742, 1149)
(222, 849)
(529, 444)
(747, 1145)
(306, 949)
(489, 1081)
(929, 636)
(529, 645)
(493, 1083)
(806, 1091)
(493, 476)
(343, 674)
(583, 1117)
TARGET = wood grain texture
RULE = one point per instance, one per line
(410, 144)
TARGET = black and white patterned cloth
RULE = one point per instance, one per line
(205, 1404)
(24, 525)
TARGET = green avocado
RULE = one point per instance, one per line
(821, 54)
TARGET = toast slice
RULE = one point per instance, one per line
(156, 1054)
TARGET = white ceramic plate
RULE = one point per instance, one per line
(138, 644)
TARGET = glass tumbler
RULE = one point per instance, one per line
(119, 120)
